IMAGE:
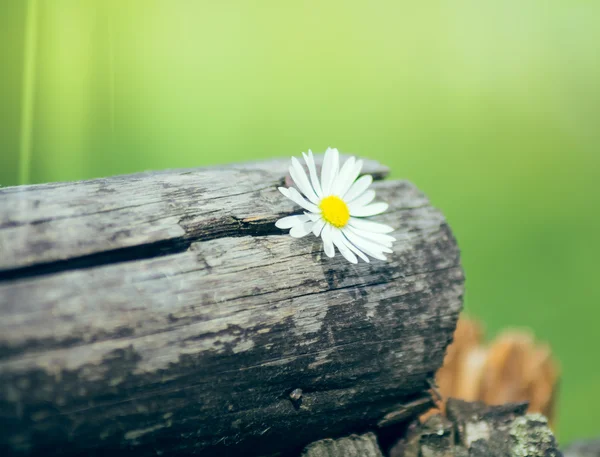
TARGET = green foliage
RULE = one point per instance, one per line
(492, 108)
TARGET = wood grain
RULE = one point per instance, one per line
(164, 312)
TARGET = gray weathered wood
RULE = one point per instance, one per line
(478, 430)
(164, 312)
(354, 445)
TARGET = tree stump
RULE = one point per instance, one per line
(477, 430)
(354, 445)
(163, 312)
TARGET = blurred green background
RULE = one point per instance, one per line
(492, 108)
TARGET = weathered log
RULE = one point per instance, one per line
(164, 312)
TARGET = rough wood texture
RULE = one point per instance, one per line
(164, 312)
(477, 430)
(354, 445)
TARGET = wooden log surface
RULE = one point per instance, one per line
(164, 312)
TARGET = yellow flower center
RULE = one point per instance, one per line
(335, 211)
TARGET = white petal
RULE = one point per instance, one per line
(301, 180)
(326, 172)
(336, 161)
(300, 230)
(359, 186)
(380, 238)
(313, 216)
(318, 227)
(366, 198)
(326, 236)
(312, 171)
(338, 240)
(369, 226)
(354, 249)
(363, 243)
(366, 246)
(369, 210)
(345, 175)
(289, 221)
(329, 170)
(295, 196)
(346, 182)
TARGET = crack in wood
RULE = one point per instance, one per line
(143, 251)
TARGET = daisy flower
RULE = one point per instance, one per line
(335, 207)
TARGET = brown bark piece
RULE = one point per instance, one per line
(512, 368)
